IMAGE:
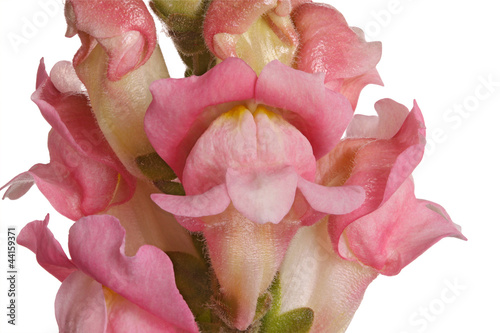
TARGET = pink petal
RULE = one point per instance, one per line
(182, 109)
(70, 182)
(124, 28)
(380, 166)
(330, 46)
(351, 87)
(319, 113)
(79, 153)
(399, 231)
(146, 279)
(212, 202)
(264, 196)
(49, 253)
(391, 116)
(332, 200)
(80, 305)
(70, 115)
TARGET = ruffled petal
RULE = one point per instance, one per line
(183, 109)
(124, 28)
(146, 279)
(319, 113)
(391, 116)
(80, 305)
(330, 46)
(49, 253)
(399, 231)
(380, 166)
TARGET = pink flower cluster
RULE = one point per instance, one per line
(259, 156)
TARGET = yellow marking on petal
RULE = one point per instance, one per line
(236, 112)
(262, 110)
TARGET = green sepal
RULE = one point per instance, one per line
(154, 167)
(169, 187)
(193, 281)
(298, 320)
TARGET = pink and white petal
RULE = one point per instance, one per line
(125, 28)
(80, 305)
(211, 202)
(391, 116)
(399, 231)
(37, 237)
(183, 109)
(332, 200)
(330, 46)
(146, 279)
(319, 113)
(262, 197)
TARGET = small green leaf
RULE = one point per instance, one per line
(294, 321)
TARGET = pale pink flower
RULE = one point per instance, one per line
(104, 290)
(388, 231)
(245, 149)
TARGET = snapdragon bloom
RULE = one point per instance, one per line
(104, 290)
(245, 149)
(311, 37)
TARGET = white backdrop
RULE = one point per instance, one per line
(444, 54)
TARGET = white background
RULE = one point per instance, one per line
(437, 52)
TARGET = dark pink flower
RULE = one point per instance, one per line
(104, 290)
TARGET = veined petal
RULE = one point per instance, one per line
(124, 28)
(49, 253)
(399, 231)
(182, 110)
(146, 279)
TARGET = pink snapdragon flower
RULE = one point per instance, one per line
(388, 231)
(104, 290)
(84, 176)
(311, 37)
(118, 60)
(78, 152)
(245, 149)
